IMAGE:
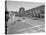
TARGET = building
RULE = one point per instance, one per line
(34, 12)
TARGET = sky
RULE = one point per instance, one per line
(15, 5)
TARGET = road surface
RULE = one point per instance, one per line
(25, 26)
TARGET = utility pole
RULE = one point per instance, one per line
(5, 17)
(5, 5)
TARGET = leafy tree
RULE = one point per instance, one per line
(21, 11)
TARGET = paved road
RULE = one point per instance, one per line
(25, 26)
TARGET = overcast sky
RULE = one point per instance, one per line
(15, 5)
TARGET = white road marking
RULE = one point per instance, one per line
(29, 28)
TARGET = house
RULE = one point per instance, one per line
(34, 12)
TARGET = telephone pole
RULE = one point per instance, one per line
(5, 17)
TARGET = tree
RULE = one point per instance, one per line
(21, 11)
